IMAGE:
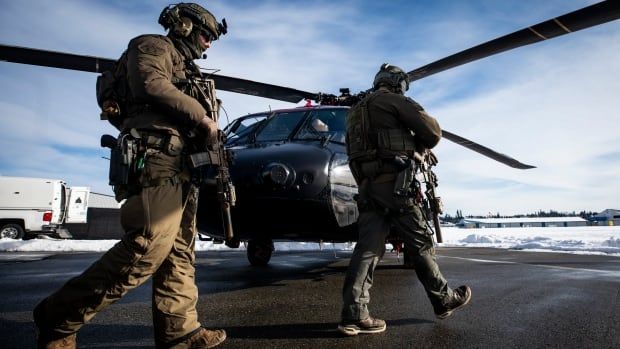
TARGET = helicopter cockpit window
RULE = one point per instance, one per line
(325, 123)
(238, 131)
(280, 126)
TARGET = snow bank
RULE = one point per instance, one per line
(588, 240)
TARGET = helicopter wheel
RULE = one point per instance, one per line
(259, 251)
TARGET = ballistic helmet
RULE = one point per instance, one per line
(182, 18)
(392, 77)
(187, 20)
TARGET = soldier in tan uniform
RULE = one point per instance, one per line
(159, 213)
(385, 125)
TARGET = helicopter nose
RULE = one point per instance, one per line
(279, 174)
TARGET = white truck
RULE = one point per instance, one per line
(33, 206)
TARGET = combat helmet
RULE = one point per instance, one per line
(187, 20)
(392, 77)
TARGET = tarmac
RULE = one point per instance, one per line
(520, 300)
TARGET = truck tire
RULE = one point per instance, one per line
(12, 231)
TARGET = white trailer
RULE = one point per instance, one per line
(32, 206)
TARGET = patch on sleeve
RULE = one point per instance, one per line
(153, 48)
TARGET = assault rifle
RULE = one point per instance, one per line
(411, 175)
(213, 153)
(432, 203)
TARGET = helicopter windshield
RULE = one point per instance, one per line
(280, 126)
(239, 130)
(325, 123)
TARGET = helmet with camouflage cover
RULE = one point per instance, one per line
(186, 21)
(391, 77)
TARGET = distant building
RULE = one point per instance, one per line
(103, 201)
(103, 219)
(522, 222)
(606, 217)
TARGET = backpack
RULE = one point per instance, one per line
(359, 144)
(113, 92)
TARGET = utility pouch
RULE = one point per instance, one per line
(396, 139)
(405, 177)
(209, 157)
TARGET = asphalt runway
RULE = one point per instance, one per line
(520, 300)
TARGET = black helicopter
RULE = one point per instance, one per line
(290, 166)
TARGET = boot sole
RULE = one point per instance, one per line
(352, 331)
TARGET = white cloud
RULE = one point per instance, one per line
(553, 111)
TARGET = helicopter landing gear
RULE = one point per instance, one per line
(259, 251)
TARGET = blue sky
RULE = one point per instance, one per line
(553, 104)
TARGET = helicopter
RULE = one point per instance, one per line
(277, 178)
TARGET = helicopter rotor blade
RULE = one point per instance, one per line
(490, 153)
(602, 12)
(94, 64)
(260, 89)
(25, 55)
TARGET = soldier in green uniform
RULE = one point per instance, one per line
(385, 125)
(160, 208)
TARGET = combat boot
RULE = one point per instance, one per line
(48, 339)
(203, 339)
(460, 298)
(368, 325)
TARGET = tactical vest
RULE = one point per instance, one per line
(365, 143)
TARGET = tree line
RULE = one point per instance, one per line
(551, 213)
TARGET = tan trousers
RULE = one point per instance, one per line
(159, 242)
(374, 226)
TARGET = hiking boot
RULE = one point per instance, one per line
(204, 339)
(48, 339)
(368, 325)
(460, 298)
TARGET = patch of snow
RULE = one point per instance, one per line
(582, 240)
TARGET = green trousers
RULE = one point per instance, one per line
(381, 211)
(160, 229)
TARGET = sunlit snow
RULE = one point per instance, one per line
(583, 240)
